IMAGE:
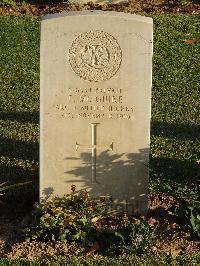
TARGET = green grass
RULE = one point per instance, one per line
(19, 108)
(175, 136)
(145, 260)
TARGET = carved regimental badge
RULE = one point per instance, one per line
(95, 56)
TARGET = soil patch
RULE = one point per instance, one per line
(40, 8)
(173, 239)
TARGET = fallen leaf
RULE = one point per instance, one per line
(173, 226)
(176, 252)
(191, 41)
(99, 227)
(69, 219)
(94, 219)
(93, 249)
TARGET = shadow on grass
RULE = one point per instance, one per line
(22, 117)
(21, 166)
(19, 149)
(19, 200)
(184, 172)
(178, 131)
(177, 170)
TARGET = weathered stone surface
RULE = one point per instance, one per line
(95, 105)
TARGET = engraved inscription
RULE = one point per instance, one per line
(94, 103)
(95, 56)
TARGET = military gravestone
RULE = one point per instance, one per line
(95, 106)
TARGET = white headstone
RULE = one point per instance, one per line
(95, 106)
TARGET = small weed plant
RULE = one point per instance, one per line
(77, 217)
(194, 218)
(190, 211)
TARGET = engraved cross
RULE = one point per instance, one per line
(93, 147)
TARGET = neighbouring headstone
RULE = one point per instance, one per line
(95, 106)
(100, 2)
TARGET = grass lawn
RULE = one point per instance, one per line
(19, 94)
(175, 133)
(118, 261)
